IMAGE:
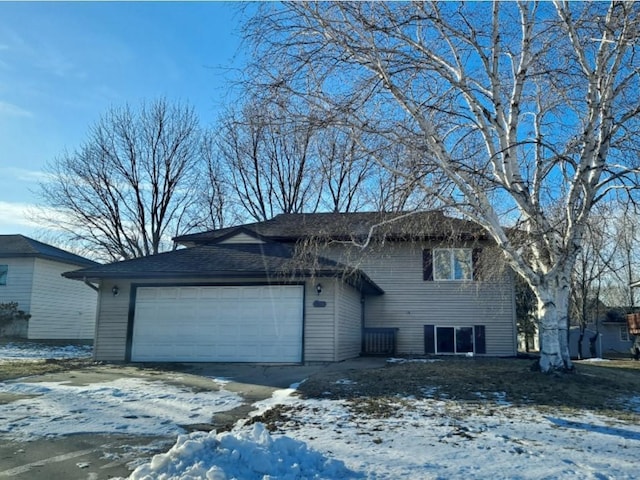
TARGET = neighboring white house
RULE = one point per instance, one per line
(31, 275)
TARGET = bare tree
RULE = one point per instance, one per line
(396, 185)
(524, 115)
(214, 209)
(132, 185)
(591, 270)
(270, 160)
(527, 321)
(345, 168)
(624, 263)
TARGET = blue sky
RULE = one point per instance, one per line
(62, 65)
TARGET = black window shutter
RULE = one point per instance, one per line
(427, 265)
(478, 332)
(429, 339)
(475, 259)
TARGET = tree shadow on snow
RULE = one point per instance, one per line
(618, 432)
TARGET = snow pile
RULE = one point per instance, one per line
(36, 351)
(127, 405)
(252, 454)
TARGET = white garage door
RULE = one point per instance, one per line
(218, 324)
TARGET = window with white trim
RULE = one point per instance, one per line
(624, 334)
(4, 270)
(452, 264)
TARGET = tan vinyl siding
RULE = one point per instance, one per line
(242, 238)
(111, 328)
(409, 302)
(319, 326)
(61, 309)
(349, 322)
(19, 282)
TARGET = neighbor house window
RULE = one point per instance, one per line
(624, 334)
(3, 274)
(452, 264)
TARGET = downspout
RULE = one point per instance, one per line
(90, 285)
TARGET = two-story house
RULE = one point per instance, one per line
(310, 288)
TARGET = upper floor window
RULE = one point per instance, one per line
(452, 264)
(3, 274)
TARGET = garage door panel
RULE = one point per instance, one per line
(225, 324)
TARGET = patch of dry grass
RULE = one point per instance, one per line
(603, 387)
(24, 368)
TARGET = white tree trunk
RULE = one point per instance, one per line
(562, 305)
(553, 302)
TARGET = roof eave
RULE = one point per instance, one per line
(359, 281)
(84, 264)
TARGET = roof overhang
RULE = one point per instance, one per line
(356, 279)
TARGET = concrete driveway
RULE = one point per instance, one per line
(105, 456)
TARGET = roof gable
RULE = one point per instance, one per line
(240, 235)
(16, 246)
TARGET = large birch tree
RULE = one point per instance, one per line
(523, 115)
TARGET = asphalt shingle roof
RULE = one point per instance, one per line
(208, 256)
(272, 260)
(347, 226)
(12, 246)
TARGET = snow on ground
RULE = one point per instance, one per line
(426, 439)
(430, 438)
(37, 351)
(128, 405)
(133, 406)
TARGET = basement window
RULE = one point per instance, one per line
(454, 340)
(441, 340)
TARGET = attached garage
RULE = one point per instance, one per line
(231, 301)
(257, 323)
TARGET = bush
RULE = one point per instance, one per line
(12, 320)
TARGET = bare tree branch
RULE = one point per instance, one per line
(133, 184)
